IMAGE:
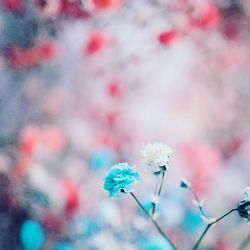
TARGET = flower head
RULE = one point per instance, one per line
(185, 184)
(244, 205)
(156, 155)
(120, 177)
(244, 209)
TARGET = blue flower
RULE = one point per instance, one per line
(120, 177)
(156, 243)
(32, 235)
(63, 246)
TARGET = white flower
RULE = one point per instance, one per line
(156, 155)
(246, 192)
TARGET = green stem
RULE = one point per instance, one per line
(209, 225)
(153, 221)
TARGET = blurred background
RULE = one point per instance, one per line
(85, 83)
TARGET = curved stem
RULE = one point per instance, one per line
(162, 180)
(199, 202)
(201, 237)
(209, 225)
(158, 193)
(153, 221)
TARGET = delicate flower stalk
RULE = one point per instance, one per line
(122, 177)
(156, 156)
(199, 203)
(209, 225)
(159, 229)
(156, 198)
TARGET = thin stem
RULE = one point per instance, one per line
(153, 221)
(199, 202)
(162, 180)
(153, 202)
(201, 237)
(139, 203)
(158, 193)
(209, 225)
(245, 243)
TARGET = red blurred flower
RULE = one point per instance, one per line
(72, 197)
(167, 37)
(52, 222)
(49, 137)
(73, 9)
(203, 162)
(106, 4)
(29, 140)
(27, 57)
(13, 5)
(206, 17)
(96, 43)
(114, 89)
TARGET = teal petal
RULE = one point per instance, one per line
(120, 176)
(32, 235)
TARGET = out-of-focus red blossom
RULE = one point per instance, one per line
(41, 3)
(112, 139)
(104, 138)
(48, 49)
(21, 168)
(167, 37)
(52, 222)
(230, 30)
(29, 140)
(72, 197)
(106, 4)
(49, 8)
(207, 17)
(13, 5)
(231, 146)
(114, 89)
(51, 138)
(73, 9)
(111, 118)
(232, 20)
(222, 244)
(203, 162)
(27, 57)
(96, 43)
